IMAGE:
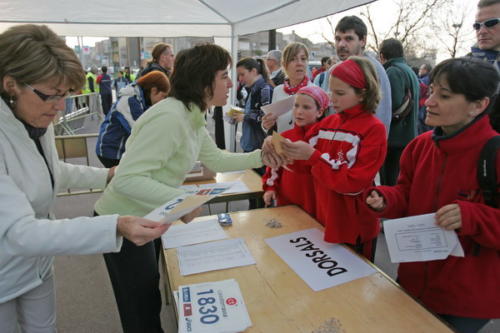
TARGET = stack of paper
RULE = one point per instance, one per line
(213, 255)
(193, 233)
(212, 307)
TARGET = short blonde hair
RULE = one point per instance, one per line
(290, 52)
(33, 53)
(371, 94)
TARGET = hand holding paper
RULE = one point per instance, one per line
(418, 238)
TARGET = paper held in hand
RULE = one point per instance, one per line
(234, 110)
(212, 307)
(277, 139)
(418, 238)
(280, 107)
(177, 208)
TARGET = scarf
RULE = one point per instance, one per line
(293, 90)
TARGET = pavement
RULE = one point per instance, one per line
(85, 301)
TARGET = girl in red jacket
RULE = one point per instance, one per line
(345, 152)
(438, 174)
(295, 186)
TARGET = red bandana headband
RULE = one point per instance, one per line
(317, 94)
(351, 73)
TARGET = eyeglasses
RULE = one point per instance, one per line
(48, 98)
(488, 23)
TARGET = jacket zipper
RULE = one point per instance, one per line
(438, 187)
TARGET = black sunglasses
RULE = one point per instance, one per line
(488, 23)
(48, 98)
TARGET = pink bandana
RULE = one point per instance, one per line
(317, 94)
(351, 73)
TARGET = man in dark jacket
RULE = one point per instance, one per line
(104, 82)
(487, 29)
(404, 86)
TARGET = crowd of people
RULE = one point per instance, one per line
(360, 116)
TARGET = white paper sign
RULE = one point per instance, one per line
(418, 238)
(320, 264)
(214, 255)
(280, 107)
(192, 233)
(212, 307)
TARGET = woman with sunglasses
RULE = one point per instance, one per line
(37, 72)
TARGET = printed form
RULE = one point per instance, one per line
(418, 238)
(213, 256)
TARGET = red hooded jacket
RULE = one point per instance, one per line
(350, 149)
(296, 186)
(436, 171)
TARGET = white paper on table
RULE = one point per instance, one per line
(193, 233)
(177, 208)
(320, 264)
(213, 256)
(280, 107)
(212, 307)
(418, 238)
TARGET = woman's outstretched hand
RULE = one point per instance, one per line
(139, 230)
(298, 150)
(375, 201)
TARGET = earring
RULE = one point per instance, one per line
(11, 100)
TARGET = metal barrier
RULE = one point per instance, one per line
(75, 146)
(78, 108)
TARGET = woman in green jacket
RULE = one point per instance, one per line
(162, 148)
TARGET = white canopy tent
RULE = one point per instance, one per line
(224, 20)
(167, 18)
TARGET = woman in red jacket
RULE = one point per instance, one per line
(438, 174)
(345, 152)
(294, 185)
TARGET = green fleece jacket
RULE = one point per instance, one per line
(401, 76)
(164, 144)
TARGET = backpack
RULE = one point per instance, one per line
(405, 109)
(486, 171)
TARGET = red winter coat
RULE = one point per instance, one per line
(350, 149)
(296, 187)
(436, 171)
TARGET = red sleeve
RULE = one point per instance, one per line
(481, 222)
(360, 175)
(99, 78)
(271, 178)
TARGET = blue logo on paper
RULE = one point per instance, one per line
(186, 294)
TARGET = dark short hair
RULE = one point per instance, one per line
(251, 63)
(324, 60)
(391, 48)
(352, 23)
(487, 3)
(194, 73)
(104, 69)
(473, 78)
